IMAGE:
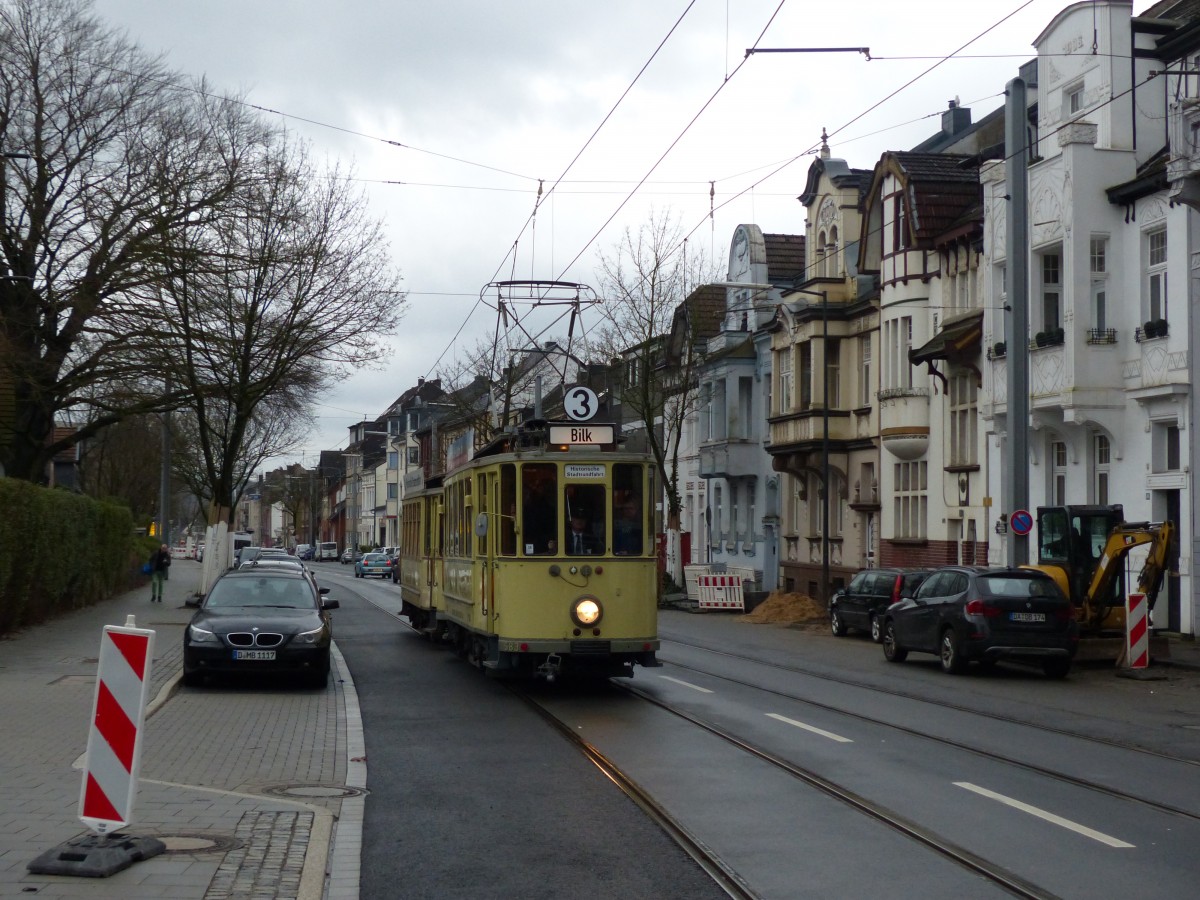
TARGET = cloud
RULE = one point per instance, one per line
(489, 97)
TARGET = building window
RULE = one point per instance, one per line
(1073, 101)
(393, 459)
(864, 361)
(833, 373)
(816, 505)
(1058, 473)
(819, 269)
(831, 254)
(745, 424)
(1101, 456)
(393, 490)
(414, 456)
(910, 499)
(1165, 447)
(1051, 287)
(1099, 270)
(897, 342)
(806, 367)
(785, 380)
(964, 419)
(899, 232)
(1156, 275)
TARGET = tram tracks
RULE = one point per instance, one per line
(709, 859)
(981, 752)
(840, 679)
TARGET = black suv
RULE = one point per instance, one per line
(964, 613)
(869, 593)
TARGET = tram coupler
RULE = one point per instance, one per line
(551, 668)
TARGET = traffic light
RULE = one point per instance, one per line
(153, 529)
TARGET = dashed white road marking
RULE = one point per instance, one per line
(821, 731)
(688, 684)
(1048, 816)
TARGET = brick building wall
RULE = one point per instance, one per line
(922, 554)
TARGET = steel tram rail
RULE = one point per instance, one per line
(998, 875)
(800, 670)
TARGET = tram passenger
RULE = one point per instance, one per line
(627, 530)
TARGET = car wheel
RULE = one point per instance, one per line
(1056, 668)
(876, 630)
(892, 651)
(836, 625)
(951, 653)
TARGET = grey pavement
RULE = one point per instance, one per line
(256, 791)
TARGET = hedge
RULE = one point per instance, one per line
(60, 552)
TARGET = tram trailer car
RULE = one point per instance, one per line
(420, 560)
(548, 559)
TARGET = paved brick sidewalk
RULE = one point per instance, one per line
(244, 784)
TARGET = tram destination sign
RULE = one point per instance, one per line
(581, 434)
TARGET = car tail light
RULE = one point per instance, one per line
(1065, 613)
(896, 588)
(978, 607)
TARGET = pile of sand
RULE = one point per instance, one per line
(787, 609)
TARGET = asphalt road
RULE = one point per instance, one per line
(472, 794)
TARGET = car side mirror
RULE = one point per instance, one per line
(330, 604)
(324, 590)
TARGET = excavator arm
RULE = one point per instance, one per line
(1124, 538)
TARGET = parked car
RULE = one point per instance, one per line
(869, 593)
(326, 550)
(964, 613)
(270, 618)
(373, 564)
(349, 555)
(304, 551)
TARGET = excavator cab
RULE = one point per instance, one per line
(1071, 543)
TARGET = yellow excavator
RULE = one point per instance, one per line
(1085, 549)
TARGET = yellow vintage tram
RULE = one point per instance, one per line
(536, 558)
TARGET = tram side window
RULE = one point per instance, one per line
(586, 519)
(481, 509)
(539, 508)
(629, 511)
(507, 520)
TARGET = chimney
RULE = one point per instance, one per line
(956, 118)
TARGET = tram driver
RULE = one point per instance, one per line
(581, 540)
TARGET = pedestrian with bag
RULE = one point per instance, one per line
(159, 563)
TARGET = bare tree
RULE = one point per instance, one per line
(288, 289)
(106, 155)
(645, 281)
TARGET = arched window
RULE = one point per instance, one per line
(819, 267)
(831, 254)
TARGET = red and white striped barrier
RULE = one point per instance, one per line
(721, 592)
(114, 747)
(1137, 631)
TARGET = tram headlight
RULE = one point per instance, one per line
(586, 612)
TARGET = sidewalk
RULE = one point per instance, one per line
(253, 791)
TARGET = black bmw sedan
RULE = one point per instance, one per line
(260, 620)
(964, 613)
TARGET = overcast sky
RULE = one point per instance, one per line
(489, 96)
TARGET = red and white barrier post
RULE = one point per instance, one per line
(1137, 631)
(114, 747)
(114, 754)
